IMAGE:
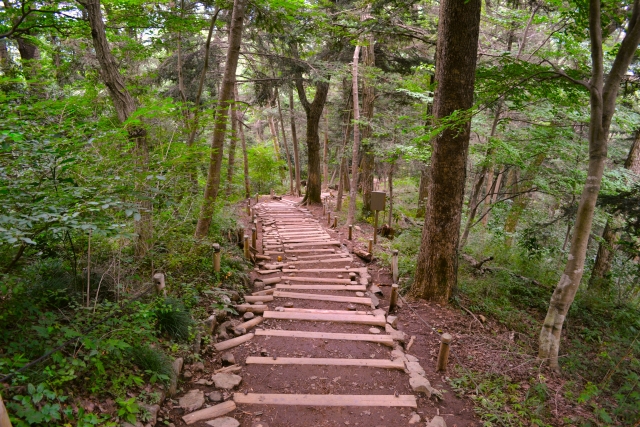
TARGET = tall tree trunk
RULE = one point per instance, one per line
(325, 151)
(232, 146)
(247, 184)
(368, 155)
(284, 140)
(456, 55)
(392, 166)
(602, 102)
(124, 105)
(342, 182)
(313, 111)
(423, 191)
(294, 139)
(226, 96)
(353, 191)
(473, 207)
(608, 246)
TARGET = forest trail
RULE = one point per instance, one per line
(325, 354)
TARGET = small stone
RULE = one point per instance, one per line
(415, 368)
(411, 358)
(374, 330)
(248, 315)
(226, 381)
(153, 411)
(288, 304)
(374, 299)
(264, 352)
(192, 401)
(359, 294)
(351, 307)
(259, 424)
(393, 321)
(398, 354)
(228, 359)
(415, 418)
(374, 289)
(340, 276)
(234, 295)
(187, 374)
(239, 330)
(197, 367)
(437, 421)
(420, 385)
(279, 308)
(268, 287)
(223, 422)
(215, 396)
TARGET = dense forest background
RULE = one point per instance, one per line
(131, 132)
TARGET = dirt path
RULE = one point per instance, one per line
(324, 353)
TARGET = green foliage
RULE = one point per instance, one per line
(264, 167)
(173, 319)
(152, 361)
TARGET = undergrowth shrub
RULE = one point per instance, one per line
(152, 361)
(173, 319)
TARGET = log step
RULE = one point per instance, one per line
(325, 361)
(379, 339)
(320, 297)
(323, 287)
(325, 317)
(402, 400)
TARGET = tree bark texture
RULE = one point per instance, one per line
(423, 191)
(603, 95)
(608, 247)
(313, 112)
(368, 156)
(456, 54)
(232, 146)
(353, 191)
(284, 141)
(294, 140)
(325, 151)
(247, 183)
(343, 155)
(220, 127)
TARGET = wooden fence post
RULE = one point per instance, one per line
(394, 266)
(246, 247)
(443, 354)
(158, 280)
(393, 300)
(216, 257)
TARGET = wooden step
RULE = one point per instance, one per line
(371, 400)
(316, 279)
(361, 288)
(379, 339)
(325, 311)
(326, 361)
(322, 317)
(320, 261)
(314, 243)
(306, 251)
(321, 297)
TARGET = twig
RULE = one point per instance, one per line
(472, 315)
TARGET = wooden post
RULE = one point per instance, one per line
(257, 198)
(248, 206)
(371, 247)
(394, 266)
(350, 232)
(329, 218)
(375, 227)
(324, 207)
(246, 247)
(216, 257)
(4, 415)
(335, 222)
(158, 280)
(254, 237)
(393, 301)
(443, 355)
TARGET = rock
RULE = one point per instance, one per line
(226, 381)
(176, 367)
(197, 367)
(221, 315)
(351, 307)
(375, 289)
(411, 358)
(223, 422)
(379, 312)
(357, 228)
(374, 299)
(264, 352)
(374, 330)
(415, 368)
(153, 411)
(210, 324)
(228, 359)
(234, 295)
(239, 330)
(398, 354)
(437, 421)
(259, 424)
(187, 374)
(359, 294)
(215, 396)
(420, 385)
(288, 304)
(192, 401)
(393, 321)
(248, 315)
(415, 418)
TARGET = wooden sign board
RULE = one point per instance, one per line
(377, 200)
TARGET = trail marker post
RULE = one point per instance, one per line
(216, 257)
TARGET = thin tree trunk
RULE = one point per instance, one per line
(284, 140)
(391, 167)
(232, 146)
(473, 207)
(183, 94)
(247, 184)
(602, 102)
(294, 139)
(492, 197)
(353, 191)
(608, 246)
(196, 107)
(423, 191)
(325, 151)
(226, 95)
(456, 54)
(342, 182)
(368, 155)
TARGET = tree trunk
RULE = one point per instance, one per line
(608, 246)
(473, 207)
(423, 191)
(325, 151)
(353, 191)
(247, 184)
(343, 155)
(286, 144)
(392, 165)
(456, 55)
(232, 146)
(313, 111)
(368, 155)
(226, 96)
(294, 139)
(603, 95)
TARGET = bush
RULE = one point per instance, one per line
(173, 319)
(152, 361)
